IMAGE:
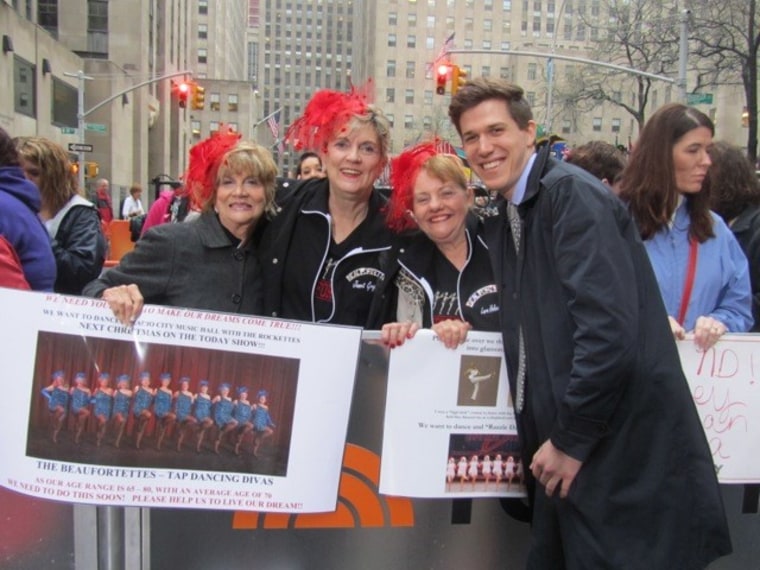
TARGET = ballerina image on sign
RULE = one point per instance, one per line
(57, 396)
(202, 413)
(462, 471)
(102, 400)
(143, 396)
(243, 413)
(472, 471)
(223, 408)
(122, 397)
(451, 471)
(475, 377)
(486, 467)
(80, 403)
(162, 407)
(262, 421)
(498, 468)
(509, 471)
(183, 405)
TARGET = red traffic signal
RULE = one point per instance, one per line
(183, 91)
(441, 76)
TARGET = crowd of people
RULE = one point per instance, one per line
(182, 412)
(589, 267)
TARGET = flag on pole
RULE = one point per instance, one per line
(447, 45)
(273, 122)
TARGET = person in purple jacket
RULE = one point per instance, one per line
(20, 224)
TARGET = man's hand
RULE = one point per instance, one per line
(551, 468)
(125, 301)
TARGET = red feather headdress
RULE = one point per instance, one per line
(404, 170)
(205, 160)
(326, 113)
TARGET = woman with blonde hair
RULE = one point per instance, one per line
(73, 222)
(210, 263)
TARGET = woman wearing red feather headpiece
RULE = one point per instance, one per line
(211, 262)
(440, 275)
(321, 255)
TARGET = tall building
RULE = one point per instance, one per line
(303, 45)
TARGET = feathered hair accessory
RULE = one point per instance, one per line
(205, 160)
(404, 170)
(327, 113)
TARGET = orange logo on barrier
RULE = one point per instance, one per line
(359, 503)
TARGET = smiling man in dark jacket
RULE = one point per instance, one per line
(622, 476)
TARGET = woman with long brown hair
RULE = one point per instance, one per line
(700, 268)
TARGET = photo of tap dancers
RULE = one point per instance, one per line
(483, 463)
(96, 401)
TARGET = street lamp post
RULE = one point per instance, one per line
(81, 113)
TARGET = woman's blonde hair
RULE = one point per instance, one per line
(57, 181)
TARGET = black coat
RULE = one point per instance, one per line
(79, 248)
(604, 383)
(746, 228)
(190, 264)
(279, 250)
(415, 252)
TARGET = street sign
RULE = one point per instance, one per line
(96, 127)
(699, 98)
(77, 147)
(68, 131)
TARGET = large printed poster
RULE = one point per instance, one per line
(449, 422)
(185, 409)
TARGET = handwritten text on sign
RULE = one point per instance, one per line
(725, 384)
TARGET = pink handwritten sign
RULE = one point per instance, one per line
(725, 384)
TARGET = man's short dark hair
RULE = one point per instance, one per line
(602, 159)
(481, 89)
(8, 152)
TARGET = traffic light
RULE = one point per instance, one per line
(458, 79)
(199, 97)
(91, 169)
(441, 76)
(183, 92)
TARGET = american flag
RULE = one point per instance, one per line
(273, 122)
(447, 45)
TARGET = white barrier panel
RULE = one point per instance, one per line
(725, 384)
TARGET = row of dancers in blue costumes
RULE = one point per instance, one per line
(187, 410)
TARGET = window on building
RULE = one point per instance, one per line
(408, 121)
(505, 72)
(202, 55)
(488, 4)
(214, 101)
(203, 7)
(24, 101)
(232, 102)
(427, 122)
(392, 19)
(596, 124)
(428, 95)
(530, 96)
(391, 40)
(566, 126)
(409, 97)
(213, 126)
(202, 31)
(536, 5)
(391, 119)
(47, 15)
(97, 16)
(430, 42)
(486, 71)
(580, 32)
(532, 68)
(390, 95)
(468, 43)
(524, 28)
(487, 25)
(615, 125)
(390, 68)
(411, 41)
(506, 5)
(468, 24)
(549, 26)
(505, 45)
(431, 21)
(536, 26)
(195, 127)
(234, 127)
(410, 65)
(411, 20)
